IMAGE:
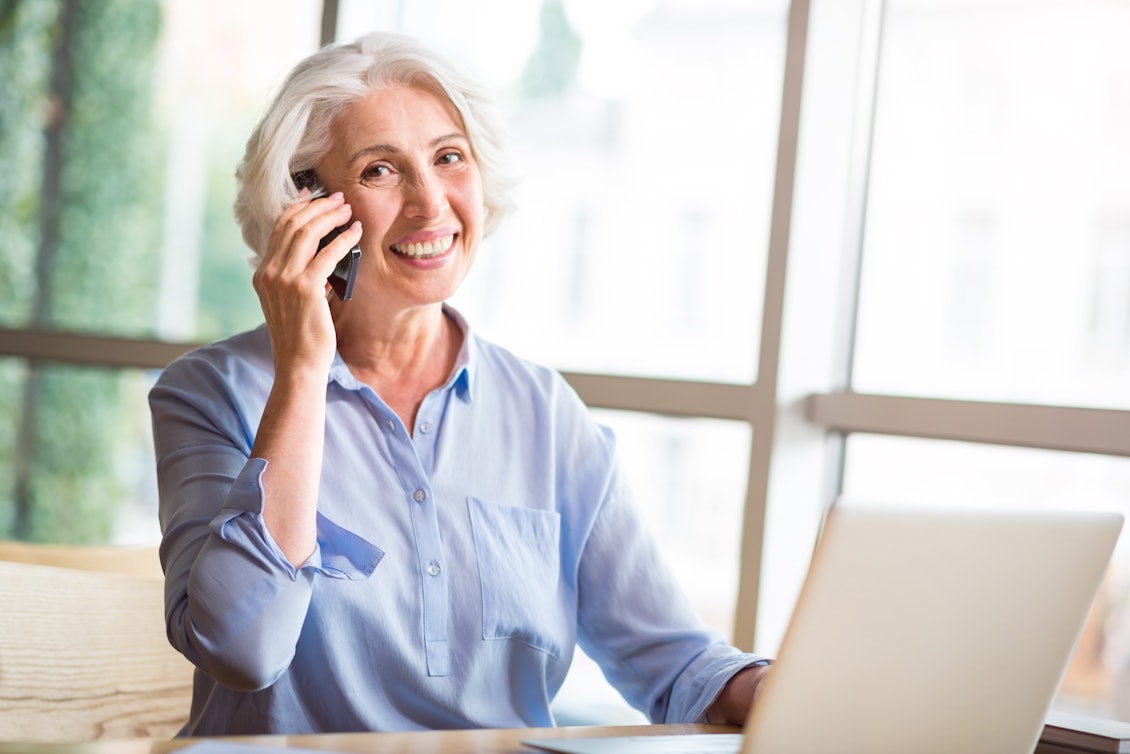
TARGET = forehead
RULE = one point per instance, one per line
(404, 117)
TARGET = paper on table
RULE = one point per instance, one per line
(227, 747)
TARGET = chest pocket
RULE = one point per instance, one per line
(518, 550)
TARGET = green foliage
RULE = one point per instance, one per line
(11, 387)
(109, 224)
(100, 272)
(227, 301)
(26, 32)
(73, 492)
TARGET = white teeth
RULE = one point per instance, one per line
(422, 250)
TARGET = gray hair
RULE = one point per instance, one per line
(294, 134)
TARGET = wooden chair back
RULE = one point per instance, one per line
(83, 652)
(135, 561)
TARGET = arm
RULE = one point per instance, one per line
(636, 621)
(291, 284)
(234, 605)
(239, 451)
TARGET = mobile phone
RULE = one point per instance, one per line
(345, 274)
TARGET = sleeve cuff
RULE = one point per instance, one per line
(714, 678)
(339, 554)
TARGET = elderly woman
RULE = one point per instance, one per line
(374, 519)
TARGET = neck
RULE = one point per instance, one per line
(402, 358)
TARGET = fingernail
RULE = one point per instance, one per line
(337, 195)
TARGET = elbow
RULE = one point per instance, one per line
(245, 674)
(243, 661)
(243, 666)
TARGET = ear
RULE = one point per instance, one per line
(307, 179)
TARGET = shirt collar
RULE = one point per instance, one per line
(462, 375)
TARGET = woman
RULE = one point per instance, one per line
(374, 519)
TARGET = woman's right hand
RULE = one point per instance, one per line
(291, 280)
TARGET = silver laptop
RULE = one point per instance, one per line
(918, 630)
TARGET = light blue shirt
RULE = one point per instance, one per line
(457, 566)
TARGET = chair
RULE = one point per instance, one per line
(83, 651)
(134, 561)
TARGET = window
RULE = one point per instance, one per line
(995, 246)
(645, 139)
(120, 137)
(993, 281)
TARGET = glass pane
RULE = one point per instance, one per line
(119, 139)
(77, 455)
(997, 251)
(689, 477)
(645, 137)
(909, 471)
(207, 105)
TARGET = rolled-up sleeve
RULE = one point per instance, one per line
(234, 605)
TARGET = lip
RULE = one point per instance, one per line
(425, 236)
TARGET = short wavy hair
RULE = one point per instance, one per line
(294, 134)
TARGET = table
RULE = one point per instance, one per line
(485, 741)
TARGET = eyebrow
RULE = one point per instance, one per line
(393, 149)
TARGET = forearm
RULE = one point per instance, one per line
(291, 438)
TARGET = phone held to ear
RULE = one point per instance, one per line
(345, 274)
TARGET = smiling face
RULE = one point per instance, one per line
(403, 161)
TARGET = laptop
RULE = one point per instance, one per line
(918, 630)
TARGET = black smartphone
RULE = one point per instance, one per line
(345, 274)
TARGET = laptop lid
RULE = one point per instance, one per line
(931, 630)
(921, 630)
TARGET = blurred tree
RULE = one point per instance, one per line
(82, 247)
(25, 63)
(552, 67)
(228, 303)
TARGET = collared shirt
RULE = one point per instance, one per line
(457, 565)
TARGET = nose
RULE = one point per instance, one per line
(427, 197)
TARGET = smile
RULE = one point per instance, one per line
(425, 250)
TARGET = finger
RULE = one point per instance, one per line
(298, 231)
(335, 250)
(303, 201)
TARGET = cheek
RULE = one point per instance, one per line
(471, 197)
(376, 215)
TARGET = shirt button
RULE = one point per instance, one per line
(419, 496)
(425, 428)
(392, 425)
(433, 568)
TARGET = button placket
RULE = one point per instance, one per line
(413, 468)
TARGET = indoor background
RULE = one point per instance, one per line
(788, 251)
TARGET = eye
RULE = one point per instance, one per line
(375, 172)
(450, 158)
